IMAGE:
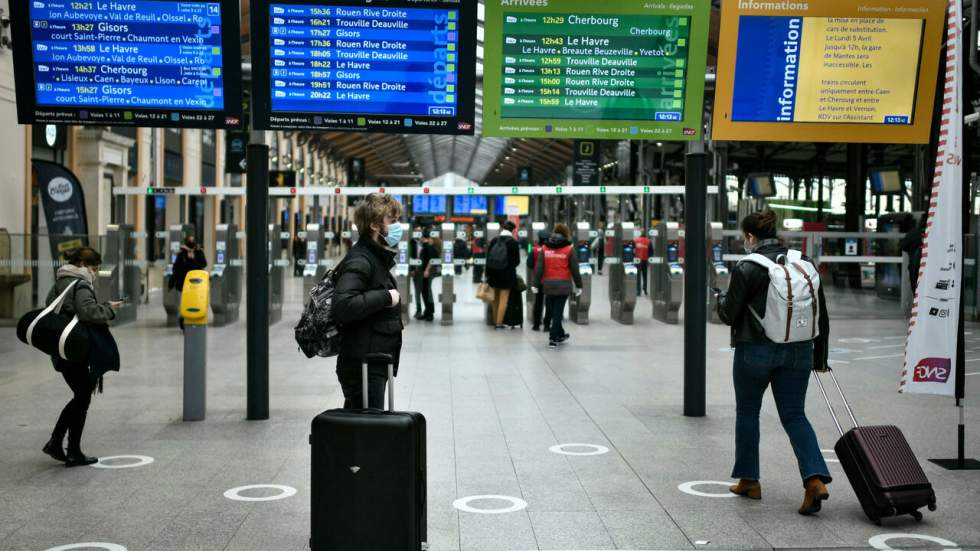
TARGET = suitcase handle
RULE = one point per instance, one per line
(823, 391)
(378, 357)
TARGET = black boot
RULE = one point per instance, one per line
(54, 449)
(77, 459)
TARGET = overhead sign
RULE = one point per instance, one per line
(236, 142)
(585, 164)
(128, 62)
(630, 69)
(63, 202)
(930, 351)
(401, 67)
(828, 71)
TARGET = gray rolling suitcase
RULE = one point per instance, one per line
(368, 484)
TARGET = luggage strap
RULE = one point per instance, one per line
(55, 306)
(823, 391)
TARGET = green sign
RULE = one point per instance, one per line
(628, 69)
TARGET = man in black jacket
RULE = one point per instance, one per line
(366, 301)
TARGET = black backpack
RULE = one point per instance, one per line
(317, 334)
(497, 257)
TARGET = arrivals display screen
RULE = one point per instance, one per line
(469, 204)
(630, 69)
(128, 62)
(837, 71)
(760, 185)
(429, 204)
(401, 66)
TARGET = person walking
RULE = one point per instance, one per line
(366, 301)
(761, 363)
(532, 260)
(478, 249)
(415, 271)
(299, 256)
(554, 275)
(82, 378)
(430, 269)
(191, 257)
(641, 256)
(461, 251)
(503, 258)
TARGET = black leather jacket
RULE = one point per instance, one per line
(362, 305)
(749, 286)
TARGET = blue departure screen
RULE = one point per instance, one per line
(141, 54)
(429, 204)
(352, 59)
(469, 204)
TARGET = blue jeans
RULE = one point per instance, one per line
(787, 368)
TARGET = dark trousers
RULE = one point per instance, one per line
(351, 384)
(477, 273)
(430, 307)
(538, 308)
(72, 418)
(556, 309)
(641, 278)
(417, 284)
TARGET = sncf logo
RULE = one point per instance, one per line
(932, 370)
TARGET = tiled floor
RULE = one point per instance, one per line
(495, 403)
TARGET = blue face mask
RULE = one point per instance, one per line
(394, 234)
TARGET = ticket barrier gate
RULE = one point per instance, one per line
(448, 295)
(226, 275)
(531, 296)
(115, 280)
(316, 265)
(718, 274)
(668, 273)
(277, 271)
(578, 308)
(492, 232)
(622, 274)
(171, 297)
(402, 278)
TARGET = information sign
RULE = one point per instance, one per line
(128, 62)
(605, 70)
(828, 71)
(402, 67)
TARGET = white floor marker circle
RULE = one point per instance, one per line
(688, 488)
(880, 541)
(516, 504)
(856, 340)
(89, 545)
(235, 494)
(560, 449)
(110, 462)
(832, 459)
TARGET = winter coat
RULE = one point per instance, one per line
(749, 286)
(551, 286)
(184, 264)
(82, 300)
(368, 321)
(506, 278)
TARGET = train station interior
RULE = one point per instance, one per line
(619, 434)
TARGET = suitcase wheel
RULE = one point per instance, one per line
(916, 515)
(932, 506)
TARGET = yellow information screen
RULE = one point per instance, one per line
(840, 71)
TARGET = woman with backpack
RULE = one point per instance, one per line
(775, 346)
(503, 258)
(556, 275)
(365, 304)
(79, 273)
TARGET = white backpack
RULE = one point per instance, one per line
(792, 306)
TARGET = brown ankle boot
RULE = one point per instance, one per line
(747, 488)
(816, 491)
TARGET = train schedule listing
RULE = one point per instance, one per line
(365, 67)
(827, 69)
(147, 62)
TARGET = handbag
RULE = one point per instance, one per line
(50, 332)
(484, 292)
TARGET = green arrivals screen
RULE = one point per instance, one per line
(581, 69)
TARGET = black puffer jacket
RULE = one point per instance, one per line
(362, 305)
(750, 287)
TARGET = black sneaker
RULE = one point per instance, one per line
(79, 459)
(430, 317)
(418, 315)
(536, 328)
(553, 345)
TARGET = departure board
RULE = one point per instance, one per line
(129, 62)
(360, 66)
(833, 71)
(573, 69)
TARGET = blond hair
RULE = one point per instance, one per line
(373, 209)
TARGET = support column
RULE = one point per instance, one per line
(695, 281)
(257, 301)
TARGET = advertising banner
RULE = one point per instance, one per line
(930, 351)
(64, 207)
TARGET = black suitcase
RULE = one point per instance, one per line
(368, 484)
(514, 315)
(881, 466)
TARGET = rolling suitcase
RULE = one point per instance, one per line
(368, 484)
(514, 315)
(881, 466)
